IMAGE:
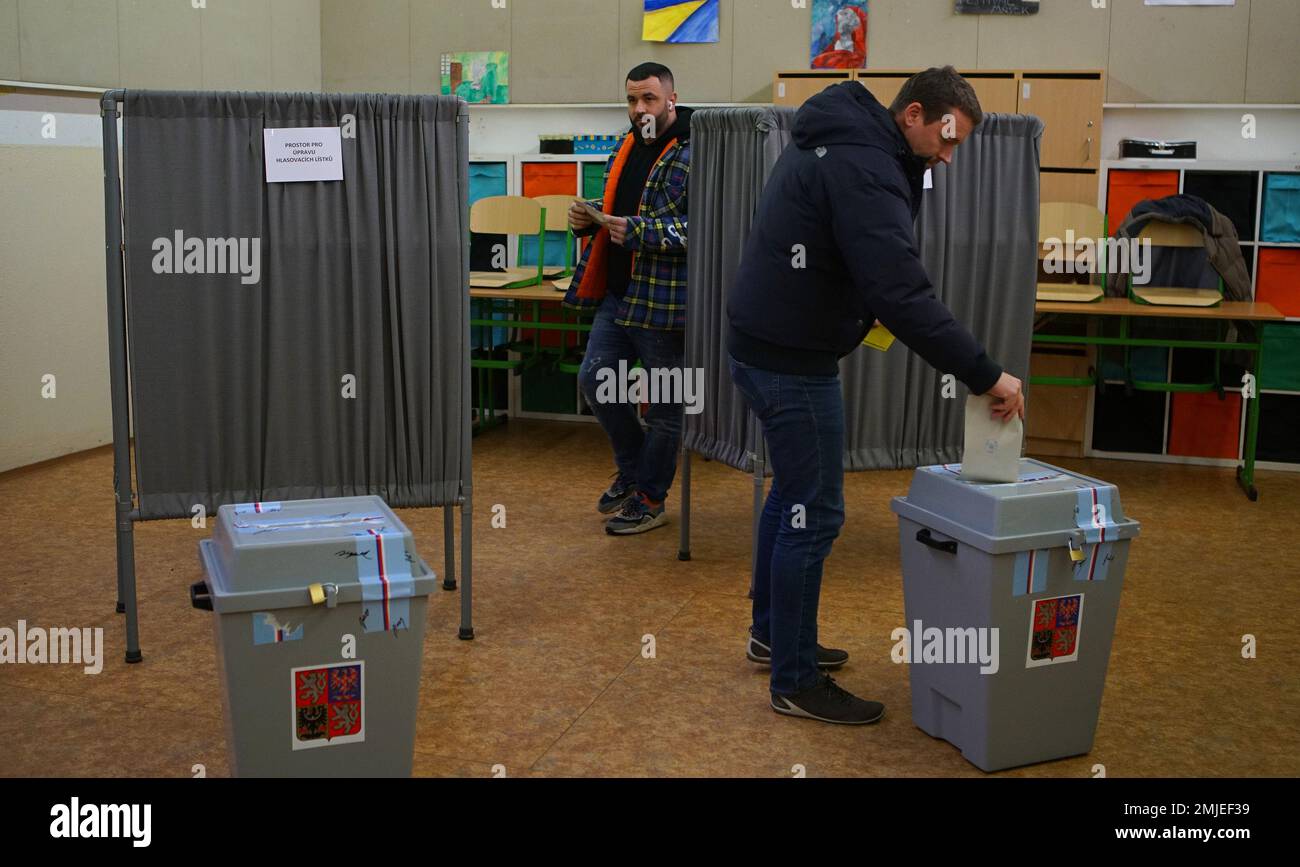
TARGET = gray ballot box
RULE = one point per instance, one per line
(1010, 592)
(319, 609)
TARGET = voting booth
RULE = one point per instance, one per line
(979, 249)
(287, 275)
(1011, 592)
(319, 611)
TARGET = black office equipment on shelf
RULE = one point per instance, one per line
(1140, 148)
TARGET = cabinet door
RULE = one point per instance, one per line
(1070, 109)
(996, 93)
(1057, 186)
(883, 87)
(794, 88)
(1057, 424)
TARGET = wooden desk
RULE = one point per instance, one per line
(523, 310)
(1124, 308)
(1245, 310)
(545, 292)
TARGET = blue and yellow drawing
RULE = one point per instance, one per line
(680, 21)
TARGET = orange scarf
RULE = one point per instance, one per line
(593, 278)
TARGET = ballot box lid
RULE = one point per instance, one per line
(1047, 506)
(290, 545)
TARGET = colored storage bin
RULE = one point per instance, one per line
(545, 389)
(1279, 419)
(496, 382)
(1146, 364)
(1230, 193)
(1281, 363)
(1278, 282)
(549, 179)
(550, 337)
(487, 179)
(1031, 569)
(1128, 423)
(1203, 426)
(1196, 366)
(1281, 217)
(593, 180)
(1127, 187)
(555, 241)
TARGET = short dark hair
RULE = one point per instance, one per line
(939, 90)
(642, 71)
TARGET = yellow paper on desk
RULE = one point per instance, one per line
(879, 337)
(992, 446)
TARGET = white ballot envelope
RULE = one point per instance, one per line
(992, 450)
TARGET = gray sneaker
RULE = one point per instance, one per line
(619, 492)
(636, 516)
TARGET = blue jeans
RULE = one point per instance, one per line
(802, 418)
(648, 457)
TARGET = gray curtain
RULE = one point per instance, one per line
(977, 234)
(729, 162)
(239, 389)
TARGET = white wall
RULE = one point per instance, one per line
(1216, 131)
(52, 302)
(515, 129)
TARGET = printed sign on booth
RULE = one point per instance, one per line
(303, 154)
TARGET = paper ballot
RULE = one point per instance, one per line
(595, 213)
(992, 452)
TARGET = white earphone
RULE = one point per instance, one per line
(671, 103)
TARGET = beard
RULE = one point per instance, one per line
(659, 128)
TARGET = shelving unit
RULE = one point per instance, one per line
(1196, 428)
(540, 391)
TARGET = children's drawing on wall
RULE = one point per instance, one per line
(477, 76)
(680, 21)
(839, 34)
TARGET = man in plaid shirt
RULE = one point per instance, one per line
(633, 275)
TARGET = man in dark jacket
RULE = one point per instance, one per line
(831, 251)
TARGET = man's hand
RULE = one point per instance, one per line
(579, 219)
(617, 229)
(1008, 399)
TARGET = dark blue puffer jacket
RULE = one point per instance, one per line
(847, 189)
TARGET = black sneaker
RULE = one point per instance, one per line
(827, 658)
(619, 492)
(827, 701)
(636, 516)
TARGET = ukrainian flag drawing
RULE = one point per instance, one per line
(680, 21)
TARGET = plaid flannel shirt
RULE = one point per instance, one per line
(656, 292)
